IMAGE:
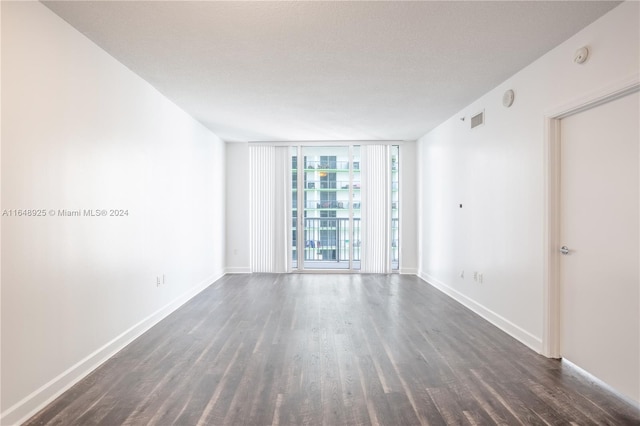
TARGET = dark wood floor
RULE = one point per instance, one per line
(333, 350)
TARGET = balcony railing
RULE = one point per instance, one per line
(341, 184)
(330, 240)
(330, 204)
(330, 165)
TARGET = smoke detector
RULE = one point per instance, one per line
(508, 97)
(581, 55)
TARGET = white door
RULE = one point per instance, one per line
(600, 217)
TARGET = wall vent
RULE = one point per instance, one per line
(477, 119)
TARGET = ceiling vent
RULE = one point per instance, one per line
(477, 119)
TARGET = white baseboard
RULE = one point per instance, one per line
(499, 321)
(30, 405)
(238, 270)
(626, 398)
(409, 271)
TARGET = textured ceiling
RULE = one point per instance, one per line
(254, 71)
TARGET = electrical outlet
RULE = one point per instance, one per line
(462, 274)
(163, 279)
(475, 275)
(157, 281)
(480, 278)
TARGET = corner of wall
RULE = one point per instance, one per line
(31, 404)
(237, 270)
(499, 321)
(497, 171)
(124, 146)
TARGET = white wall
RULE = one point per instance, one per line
(496, 172)
(237, 208)
(80, 131)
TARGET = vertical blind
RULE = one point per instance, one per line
(376, 208)
(270, 207)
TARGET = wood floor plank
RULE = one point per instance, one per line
(294, 349)
(353, 399)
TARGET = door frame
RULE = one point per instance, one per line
(551, 245)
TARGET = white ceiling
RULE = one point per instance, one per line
(316, 70)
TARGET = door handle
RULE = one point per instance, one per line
(564, 250)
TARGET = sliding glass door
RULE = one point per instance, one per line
(327, 204)
(325, 191)
(326, 208)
